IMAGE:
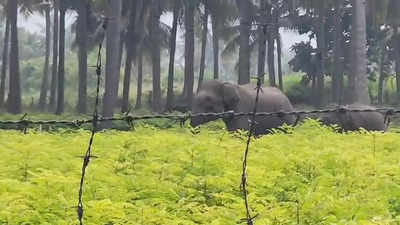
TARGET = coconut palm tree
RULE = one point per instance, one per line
(136, 35)
(245, 12)
(190, 6)
(172, 47)
(269, 17)
(54, 68)
(337, 76)
(222, 13)
(82, 39)
(204, 34)
(61, 61)
(14, 104)
(5, 56)
(393, 19)
(358, 82)
(156, 54)
(136, 14)
(321, 46)
(45, 7)
(139, 63)
(112, 63)
(277, 37)
(265, 18)
(316, 12)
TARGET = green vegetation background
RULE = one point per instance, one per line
(159, 176)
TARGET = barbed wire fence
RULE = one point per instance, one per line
(184, 117)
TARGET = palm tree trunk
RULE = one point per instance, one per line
(156, 55)
(279, 52)
(203, 47)
(127, 77)
(276, 15)
(189, 51)
(135, 32)
(381, 75)
(14, 104)
(54, 72)
(4, 63)
(139, 78)
(271, 59)
(359, 84)
(337, 77)
(130, 53)
(121, 50)
(271, 48)
(262, 47)
(215, 37)
(397, 57)
(61, 62)
(45, 81)
(244, 49)
(262, 43)
(112, 61)
(82, 35)
(321, 58)
(313, 88)
(172, 49)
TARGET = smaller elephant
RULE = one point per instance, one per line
(352, 121)
(217, 97)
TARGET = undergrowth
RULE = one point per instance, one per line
(310, 175)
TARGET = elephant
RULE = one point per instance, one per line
(217, 97)
(352, 121)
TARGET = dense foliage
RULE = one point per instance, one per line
(154, 176)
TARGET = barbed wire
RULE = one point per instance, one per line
(388, 112)
(252, 125)
(88, 154)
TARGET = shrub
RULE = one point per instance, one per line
(174, 176)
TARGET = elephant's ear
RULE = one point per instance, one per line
(230, 96)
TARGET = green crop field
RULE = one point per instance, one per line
(171, 176)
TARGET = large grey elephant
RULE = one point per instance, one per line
(351, 121)
(216, 96)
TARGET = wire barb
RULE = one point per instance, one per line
(129, 120)
(24, 123)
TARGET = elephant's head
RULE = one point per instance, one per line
(214, 97)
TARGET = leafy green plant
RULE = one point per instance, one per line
(310, 175)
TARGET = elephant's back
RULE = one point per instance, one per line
(373, 121)
(274, 100)
(352, 121)
(271, 100)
